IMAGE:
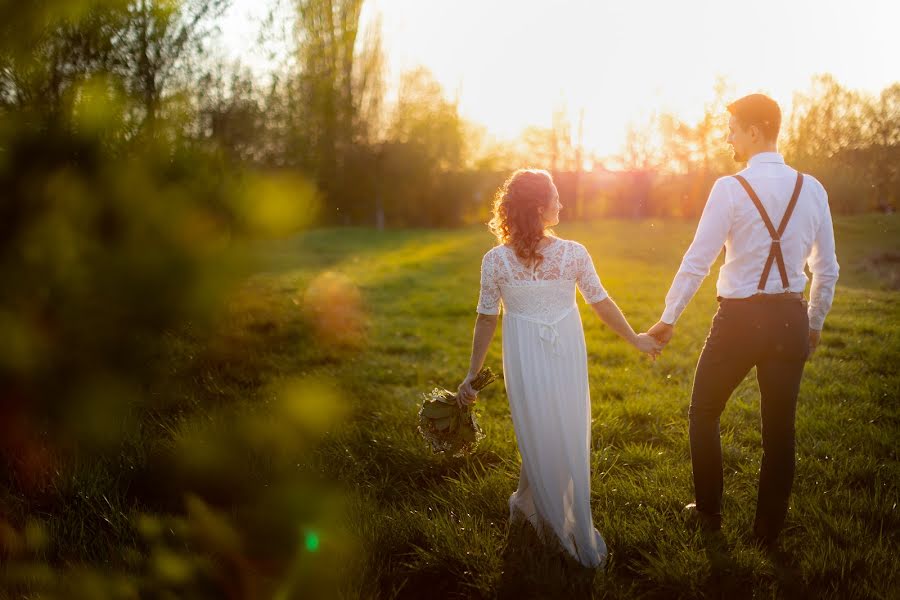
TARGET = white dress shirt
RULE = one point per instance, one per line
(730, 218)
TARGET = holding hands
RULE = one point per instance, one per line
(648, 344)
(662, 332)
(655, 339)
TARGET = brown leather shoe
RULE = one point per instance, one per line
(696, 519)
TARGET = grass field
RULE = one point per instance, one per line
(436, 525)
(398, 313)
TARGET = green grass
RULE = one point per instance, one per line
(242, 423)
(430, 524)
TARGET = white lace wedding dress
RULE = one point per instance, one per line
(545, 372)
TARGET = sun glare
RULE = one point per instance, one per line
(511, 64)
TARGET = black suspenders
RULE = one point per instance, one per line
(775, 251)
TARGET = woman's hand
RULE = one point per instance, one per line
(485, 325)
(466, 394)
(648, 344)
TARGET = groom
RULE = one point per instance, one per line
(772, 221)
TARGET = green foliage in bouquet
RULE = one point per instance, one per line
(447, 427)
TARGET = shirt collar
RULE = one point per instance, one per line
(766, 157)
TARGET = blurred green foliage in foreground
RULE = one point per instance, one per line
(130, 464)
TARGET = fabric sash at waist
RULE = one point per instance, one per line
(548, 331)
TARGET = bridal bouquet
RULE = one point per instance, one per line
(446, 426)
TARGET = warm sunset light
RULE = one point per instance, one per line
(449, 299)
(512, 63)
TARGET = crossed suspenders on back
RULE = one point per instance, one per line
(775, 251)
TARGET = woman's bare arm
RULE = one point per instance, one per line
(610, 314)
(485, 326)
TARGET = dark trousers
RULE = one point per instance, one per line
(772, 335)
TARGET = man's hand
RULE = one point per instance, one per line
(662, 332)
(814, 336)
(649, 345)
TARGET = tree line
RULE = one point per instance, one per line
(323, 115)
(849, 140)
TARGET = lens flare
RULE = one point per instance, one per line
(334, 308)
(312, 541)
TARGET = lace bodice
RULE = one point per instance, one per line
(545, 293)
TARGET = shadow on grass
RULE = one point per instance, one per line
(787, 573)
(532, 569)
(728, 579)
(724, 575)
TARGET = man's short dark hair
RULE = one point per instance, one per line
(759, 110)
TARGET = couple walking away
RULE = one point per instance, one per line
(772, 221)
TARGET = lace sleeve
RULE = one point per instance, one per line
(586, 277)
(489, 296)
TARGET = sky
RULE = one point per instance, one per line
(511, 63)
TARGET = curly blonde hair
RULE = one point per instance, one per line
(517, 218)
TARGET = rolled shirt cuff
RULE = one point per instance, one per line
(816, 321)
(670, 315)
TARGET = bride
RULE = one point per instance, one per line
(535, 274)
